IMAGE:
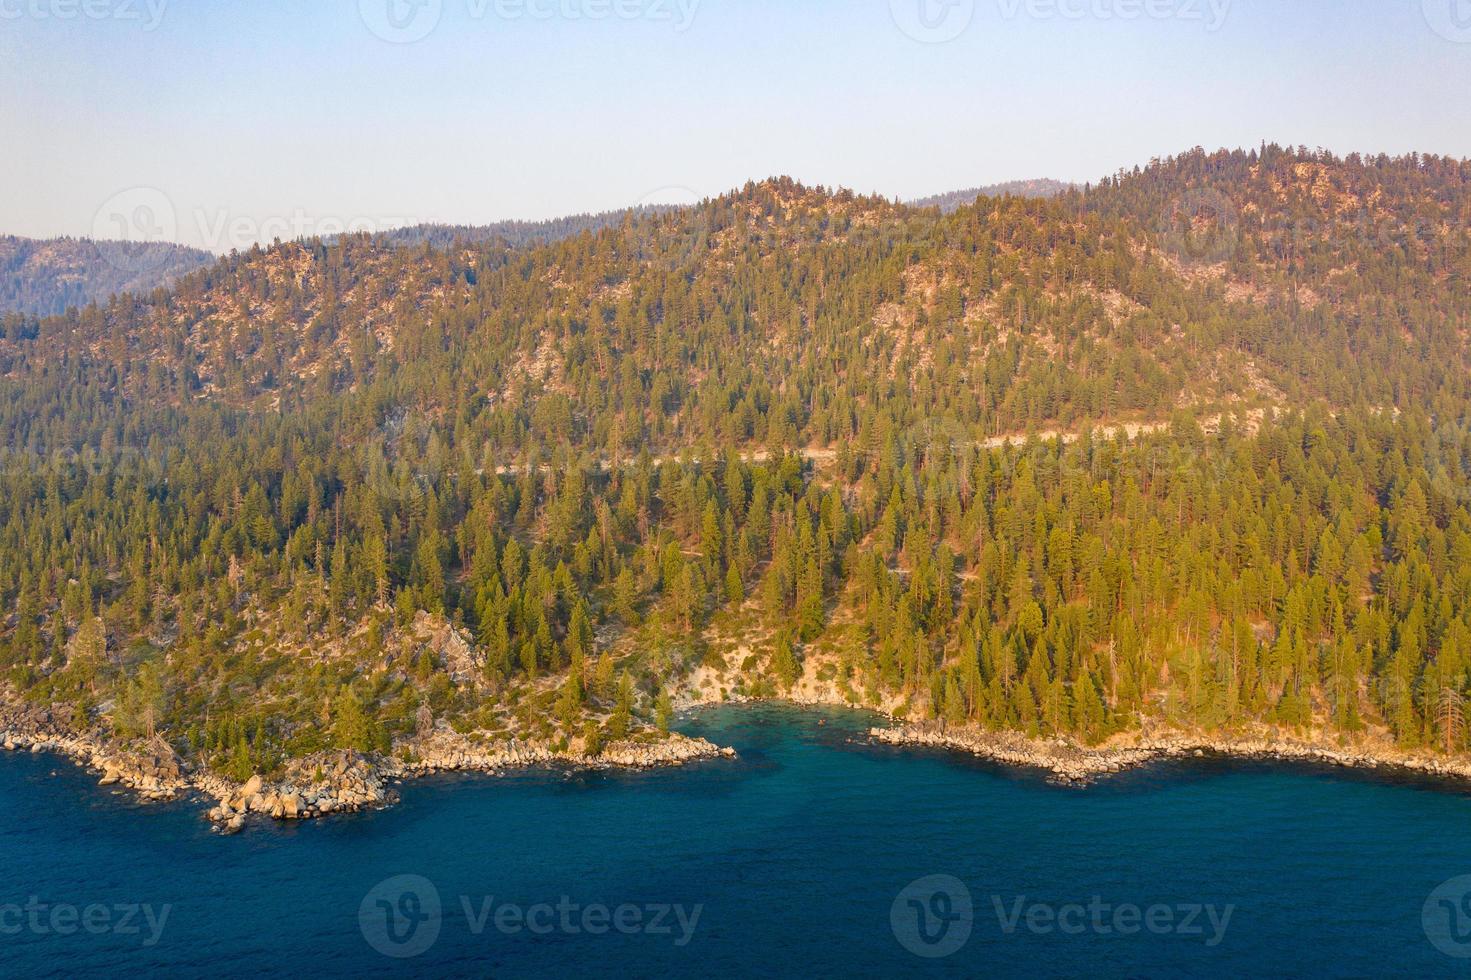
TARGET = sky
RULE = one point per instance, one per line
(220, 123)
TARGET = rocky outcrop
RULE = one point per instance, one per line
(1064, 761)
(672, 751)
(151, 769)
(324, 783)
(155, 771)
(450, 752)
(342, 782)
(334, 782)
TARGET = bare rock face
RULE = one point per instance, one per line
(449, 646)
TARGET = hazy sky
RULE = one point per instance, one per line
(218, 122)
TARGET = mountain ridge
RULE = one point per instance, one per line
(46, 276)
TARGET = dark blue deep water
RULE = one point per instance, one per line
(799, 859)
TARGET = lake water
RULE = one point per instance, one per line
(813, 854)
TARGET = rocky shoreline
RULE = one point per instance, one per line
(344, 781)
(1069, 763)
(325, 783)
(155, 773)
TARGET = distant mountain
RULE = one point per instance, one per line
(47, 276)
(516, 234)
(955, 200)
(513, 233)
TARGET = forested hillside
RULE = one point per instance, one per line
(50, 276)
(1186, 448)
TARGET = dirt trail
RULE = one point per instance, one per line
(821, 455)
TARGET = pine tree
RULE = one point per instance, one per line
(784, 661)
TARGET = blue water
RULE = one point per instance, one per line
(792, 857)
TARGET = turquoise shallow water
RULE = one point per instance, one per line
(795, 858)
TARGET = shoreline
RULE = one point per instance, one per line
(343, 781)
(1067, 763)
(340, 781)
